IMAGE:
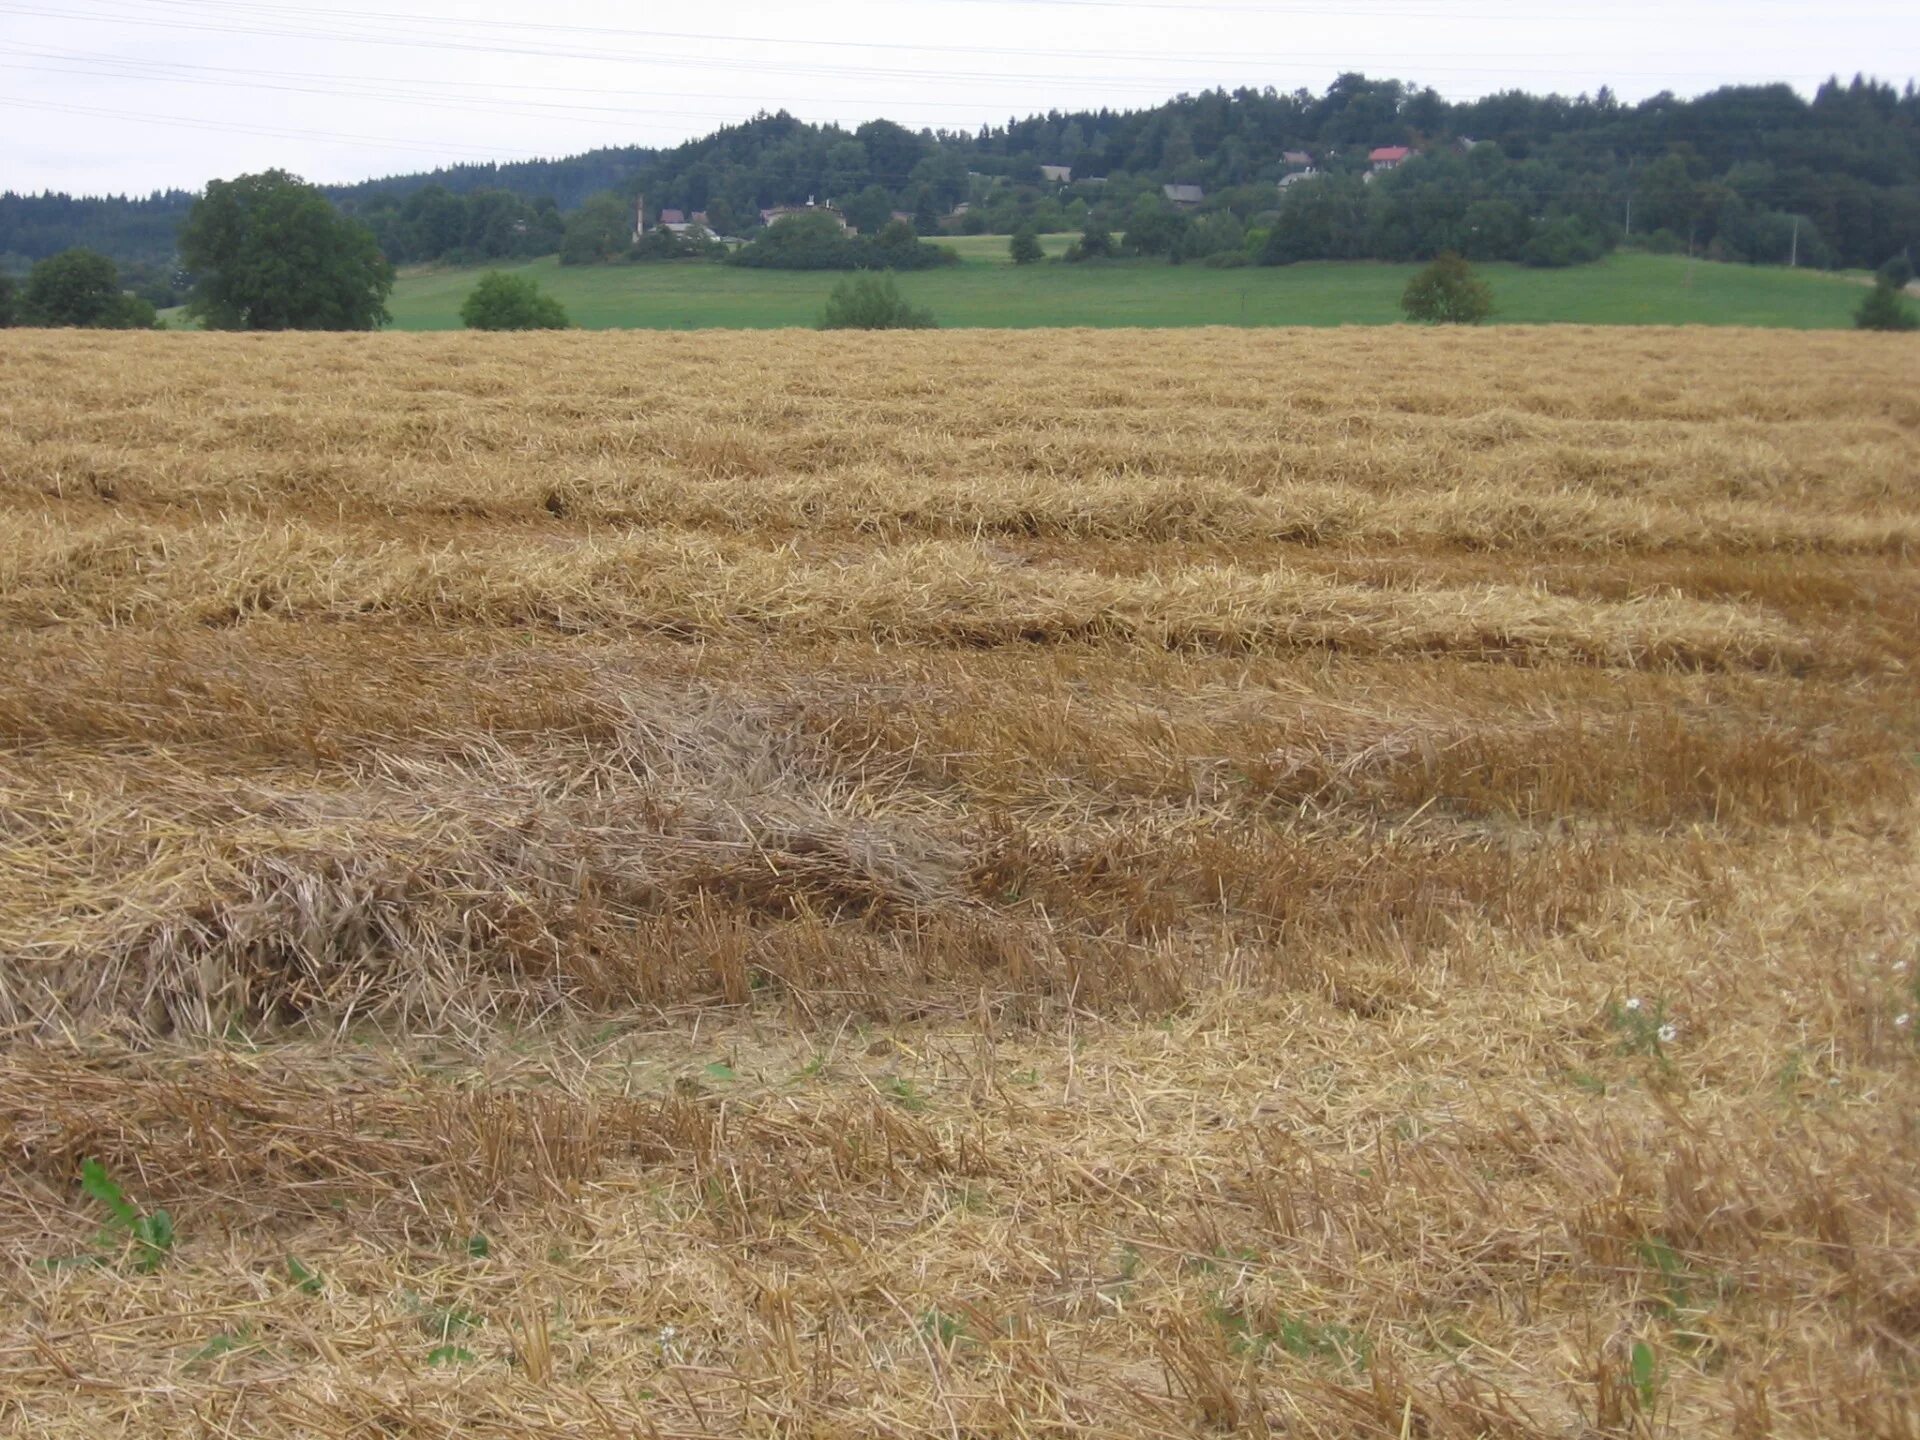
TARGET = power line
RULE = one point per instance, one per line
(475, 22)
(226, 127)
(1157, 84)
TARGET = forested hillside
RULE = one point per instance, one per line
(1755, 173)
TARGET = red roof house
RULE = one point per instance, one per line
(1389, 157)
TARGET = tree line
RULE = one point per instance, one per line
(1756, 173)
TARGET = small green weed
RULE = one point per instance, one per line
(1643, 1028)
(224, 1343)
(903, 1094)
(947, 1330)
(307, 1282)
(1674, 1275)
(450, 1355)
(151, 1233)
(1299, 1338)
(1643, 1370)
(479, 1247)
(444, 1322)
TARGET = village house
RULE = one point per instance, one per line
(1389, 157)
(1184, 197)
(1057, 174)
(1287, 182)
(677, 222)
(1296, 160)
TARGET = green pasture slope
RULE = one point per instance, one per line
(988, 290)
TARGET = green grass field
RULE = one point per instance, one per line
(988, 290)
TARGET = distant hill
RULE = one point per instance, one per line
(1739, 170)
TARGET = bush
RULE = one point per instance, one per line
(1095, 243)
(511, 302)
(872, 302)
(816, 242)
(1885, 308)
(1227, 260)
(661, 243)
(1560, 243)
(1447, 292)
(897, 247)
(1025, 248)
(1897, 272)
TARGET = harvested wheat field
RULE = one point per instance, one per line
(1312, 884)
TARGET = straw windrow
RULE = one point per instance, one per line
(1143, 885)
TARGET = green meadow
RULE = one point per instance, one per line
(987, 290)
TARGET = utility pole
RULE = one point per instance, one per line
(1629, 215)
(1793, 261)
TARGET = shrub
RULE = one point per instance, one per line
(897, 247)
(872, 302)
(1885, 308)
(1447, 292)
(816, 242)
(1025, 248)
(1095, 243)
(511, 302)
(661, 243)
(1560, 243)
(1897, 272)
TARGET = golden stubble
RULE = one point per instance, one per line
(988, 884)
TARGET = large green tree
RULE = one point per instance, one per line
(269, 252)
(9, 301)
(81, 288)
(599, 231)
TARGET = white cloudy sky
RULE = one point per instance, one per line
(133, 95)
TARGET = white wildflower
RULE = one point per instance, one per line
(1903, 1022)
(1899, 967)
(1669, 1034)
(1634, 1003)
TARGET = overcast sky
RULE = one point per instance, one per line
(104, 96)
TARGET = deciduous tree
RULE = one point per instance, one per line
(80, 288)
(269, 252)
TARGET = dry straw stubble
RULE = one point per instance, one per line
(987, 884)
